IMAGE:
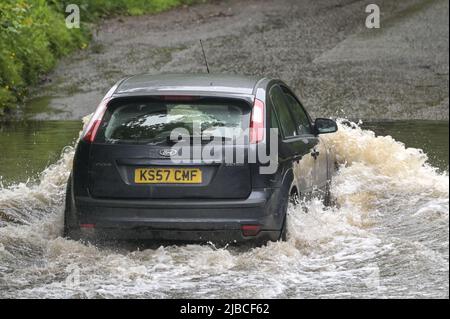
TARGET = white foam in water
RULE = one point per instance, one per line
(387, 236)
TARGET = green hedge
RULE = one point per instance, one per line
(33, 36)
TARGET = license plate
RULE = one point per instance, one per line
(167, 176)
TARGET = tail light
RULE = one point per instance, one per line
(96, 119)
(94, 123)
(250, 230)
(87, 226)
(257, 122)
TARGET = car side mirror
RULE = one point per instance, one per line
(325, 126)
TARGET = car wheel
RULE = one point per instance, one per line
(327, 200)
(294, 199)
(69, 220)
(283, 234)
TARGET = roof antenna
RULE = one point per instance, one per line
(204, 56)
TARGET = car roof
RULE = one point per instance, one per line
(202, 84)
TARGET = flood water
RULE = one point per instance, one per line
(28, 147)
(388, 235)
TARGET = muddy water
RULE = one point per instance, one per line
(388, 236)
(28, 147)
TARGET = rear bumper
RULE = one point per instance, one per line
(202, 236)
(187, 220)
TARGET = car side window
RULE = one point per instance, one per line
(274, 121)
(301, 118)
(287, 124)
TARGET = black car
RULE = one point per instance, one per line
(130, 179)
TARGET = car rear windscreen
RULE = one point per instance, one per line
(152, 121)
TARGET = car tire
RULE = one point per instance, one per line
(283, 233)
(327, 200)
(294, 199)
(69, 230)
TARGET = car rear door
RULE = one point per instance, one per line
(317, 157)
(293, 146)
(134, 157)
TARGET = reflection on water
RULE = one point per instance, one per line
(26, 148)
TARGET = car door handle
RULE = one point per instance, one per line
(315, 154)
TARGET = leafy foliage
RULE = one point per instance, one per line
(33, 36)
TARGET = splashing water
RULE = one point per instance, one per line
(387, 236)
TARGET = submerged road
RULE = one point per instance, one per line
(388, 235)
(321, 48)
